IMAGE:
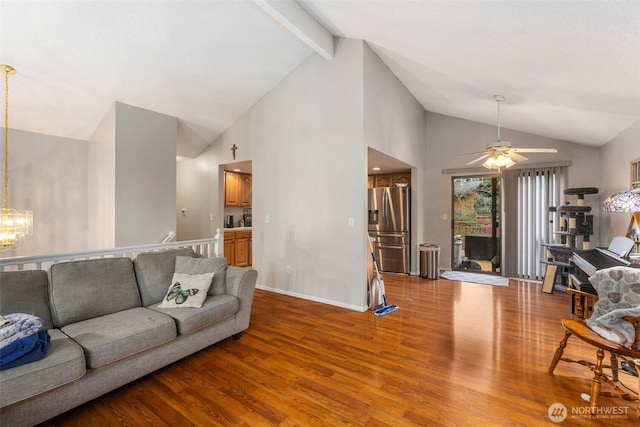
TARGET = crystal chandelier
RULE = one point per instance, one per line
(14, 224)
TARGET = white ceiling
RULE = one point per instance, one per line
(569, 70)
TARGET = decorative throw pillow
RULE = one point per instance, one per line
(217, 266)
(187, 290)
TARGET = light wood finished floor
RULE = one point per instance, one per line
(455, 354)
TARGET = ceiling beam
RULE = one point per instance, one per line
(302, 25)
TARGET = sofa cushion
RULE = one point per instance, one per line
(63, 363)
(26, 292)
(214, 309)
(217, 266)
(109, 338)
(187, 290)
(81, 290)
(154, 271)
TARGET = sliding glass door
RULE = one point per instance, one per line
(476, 223)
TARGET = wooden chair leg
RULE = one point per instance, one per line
(596, 384)
(637, 363)
(614, 367)
(559, 352)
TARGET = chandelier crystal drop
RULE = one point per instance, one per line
(14, 224)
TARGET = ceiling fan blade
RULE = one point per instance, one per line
(517, 157)
(479, 158)
(472, 154)
(534, 150)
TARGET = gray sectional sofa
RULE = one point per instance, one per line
(106, 327)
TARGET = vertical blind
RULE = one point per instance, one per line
(529, 194)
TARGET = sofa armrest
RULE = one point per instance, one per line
(241, 283)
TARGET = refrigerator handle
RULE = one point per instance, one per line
(385, 207)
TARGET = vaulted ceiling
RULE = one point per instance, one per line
(569, 70)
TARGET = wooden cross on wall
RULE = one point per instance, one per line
(233, 149)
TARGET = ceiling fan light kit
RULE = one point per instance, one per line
(498, 161)
(500, 154)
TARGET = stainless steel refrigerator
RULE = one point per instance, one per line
(389, 228)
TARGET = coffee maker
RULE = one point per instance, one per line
(246, 218)
(229, 222)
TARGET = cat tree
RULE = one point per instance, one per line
(576, 227)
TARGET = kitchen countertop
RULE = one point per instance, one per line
(238, 229)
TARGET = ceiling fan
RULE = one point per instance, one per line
(500, 154)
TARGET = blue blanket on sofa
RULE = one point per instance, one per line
(18, 325)
(25, 350)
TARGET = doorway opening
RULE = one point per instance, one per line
(389, 212)
(236, 199)
(476, 224)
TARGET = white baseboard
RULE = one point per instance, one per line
(312, 298)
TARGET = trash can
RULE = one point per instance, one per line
(429, 261)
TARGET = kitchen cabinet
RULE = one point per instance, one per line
(389, 180)
(401, 178)
(237, 189)
(237, 248)
(244, 190)
(229, 248)
(383, 180)
(242, 248)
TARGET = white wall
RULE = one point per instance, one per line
(132, 178)
(145, 174)
(47, 175)
(101, 196)
(394, 124)
(615, 159)
(448, 137)
(195, 178)
(305, 141)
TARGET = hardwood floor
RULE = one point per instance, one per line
(454, 354)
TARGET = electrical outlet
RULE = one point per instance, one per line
(352, 222)
(287, 269)
(266, 219)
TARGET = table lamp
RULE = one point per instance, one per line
(626, 201)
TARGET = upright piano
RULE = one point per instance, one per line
(592, 260)
(587, 263)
